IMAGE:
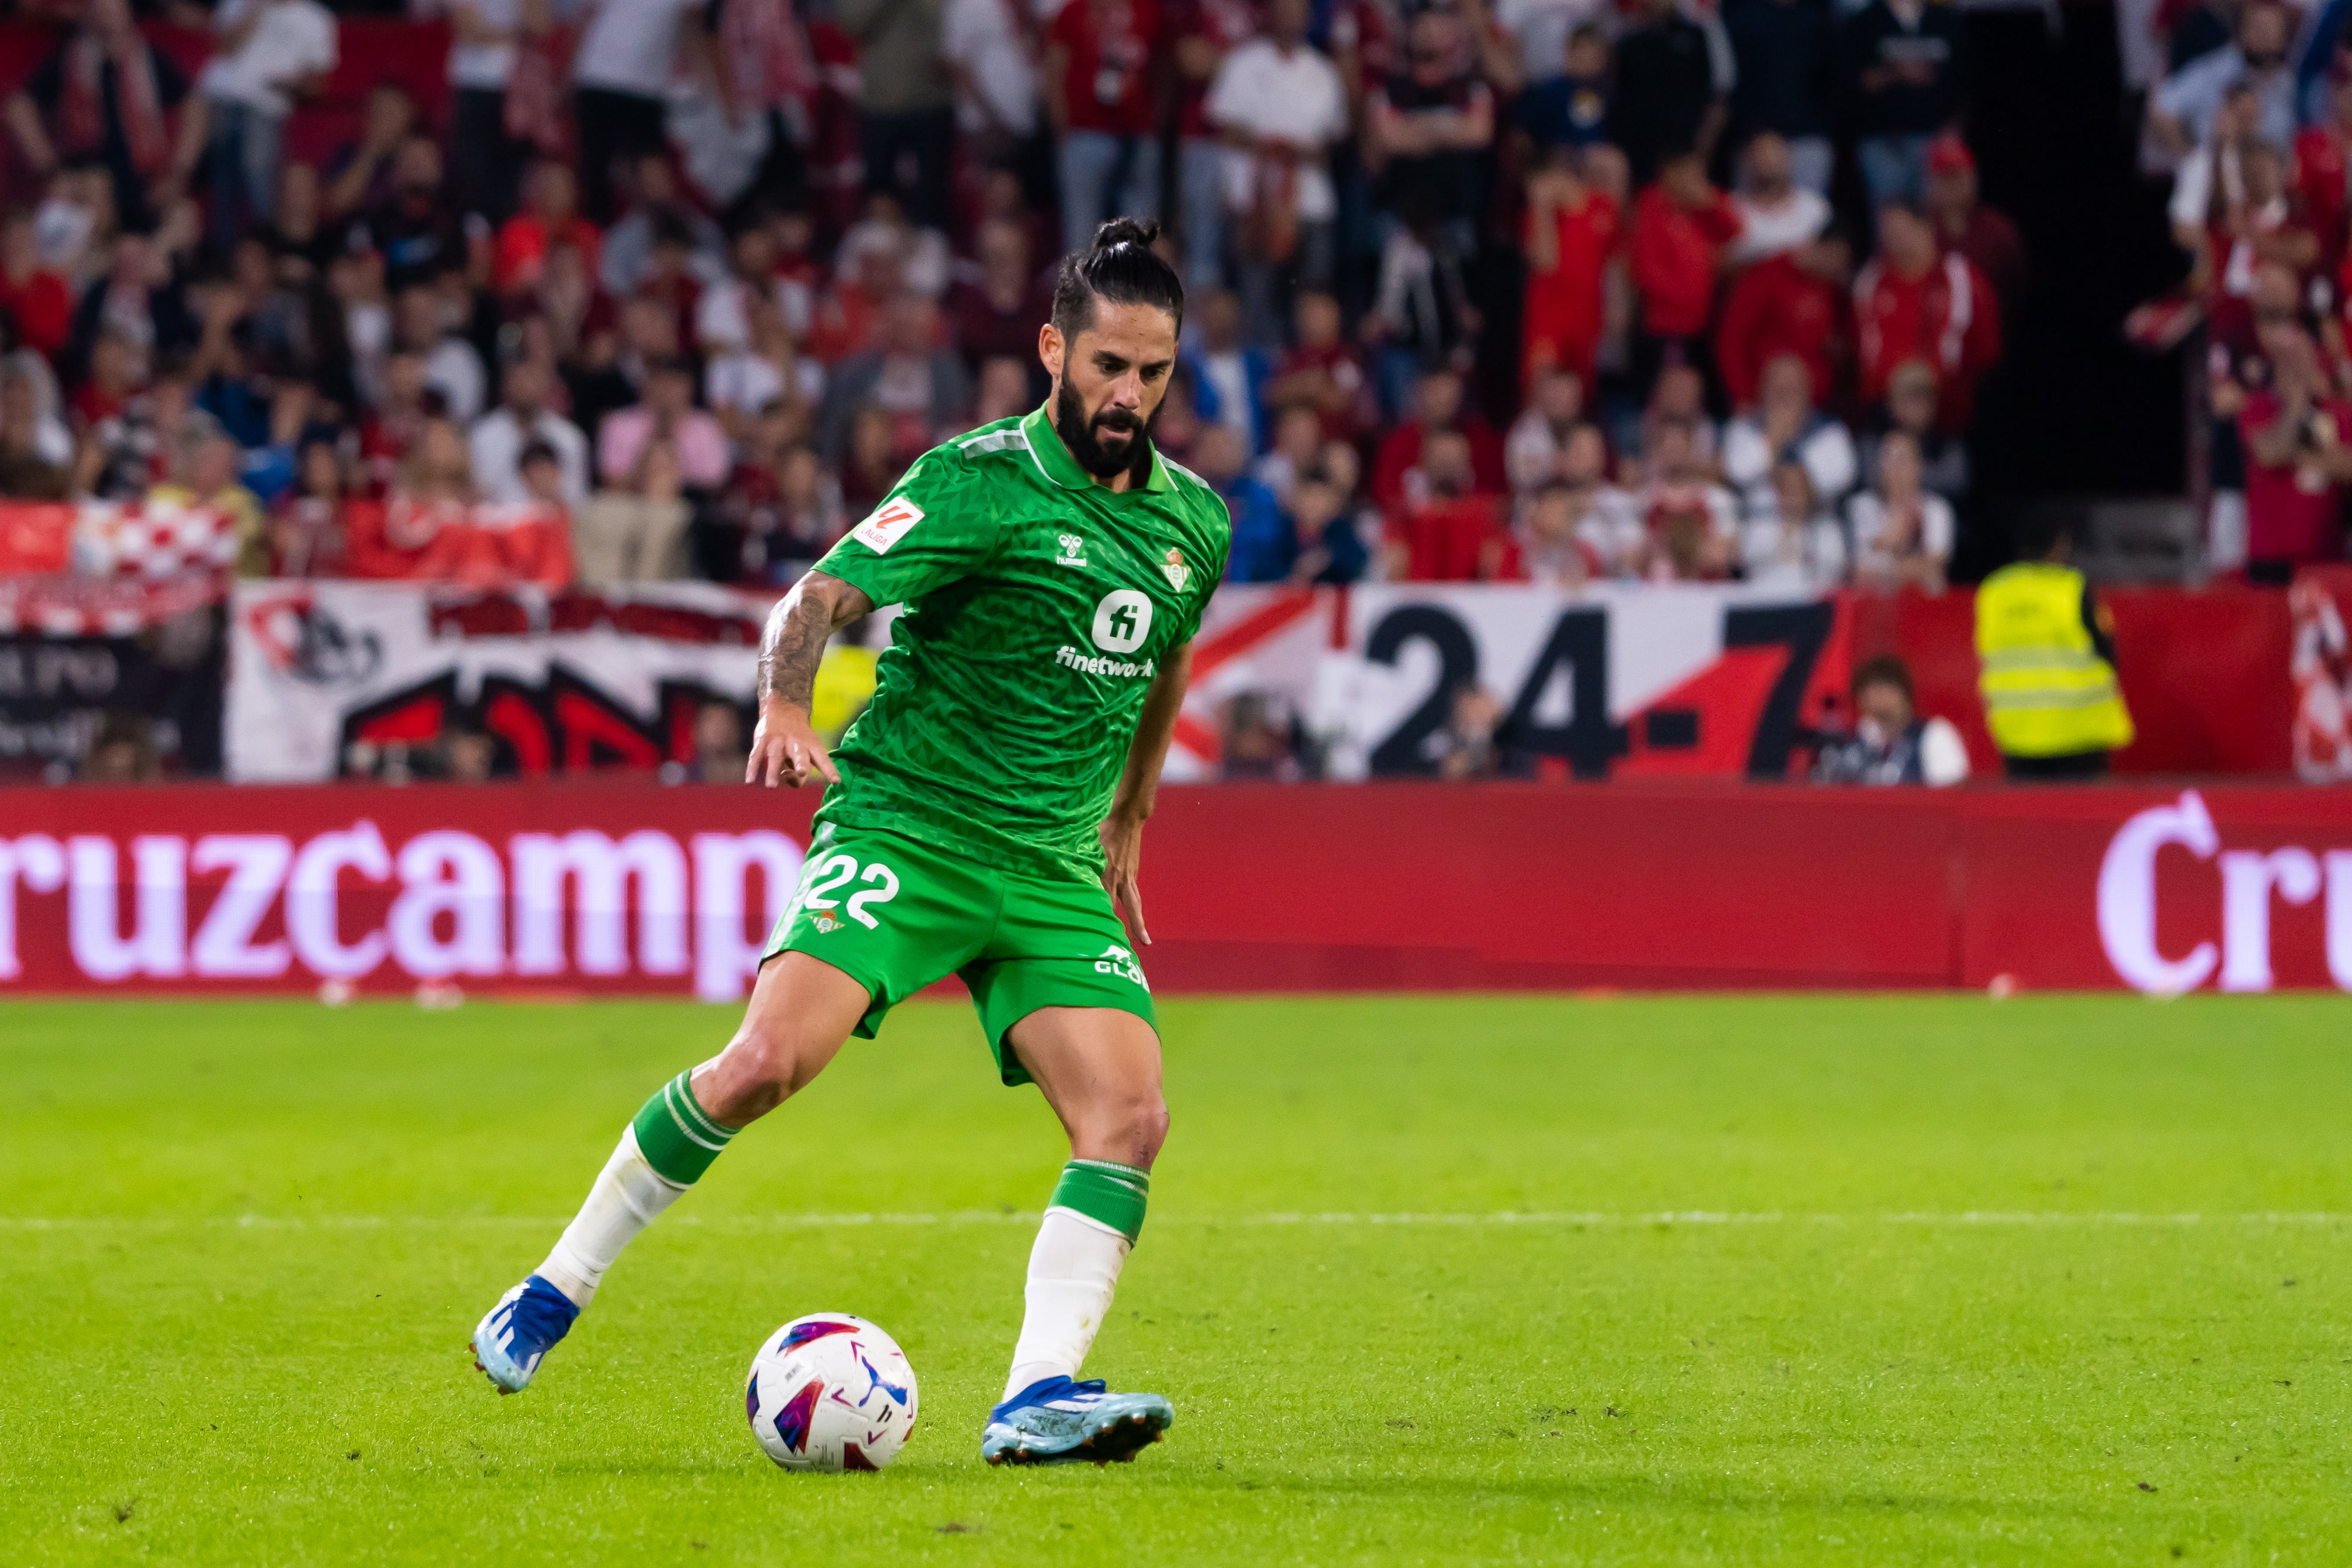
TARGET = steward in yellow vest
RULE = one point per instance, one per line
(2046, 652)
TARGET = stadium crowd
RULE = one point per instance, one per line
(1531, 290)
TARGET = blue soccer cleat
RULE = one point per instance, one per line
(521, 1329)
(1058, 1421)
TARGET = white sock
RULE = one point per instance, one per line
(1073, 1271)
(629, 1195)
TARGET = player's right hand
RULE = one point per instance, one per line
(785, 749)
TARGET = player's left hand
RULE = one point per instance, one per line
(1122, 842)
(785, 749)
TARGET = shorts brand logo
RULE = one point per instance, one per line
(1122, 620)
(1119, 963)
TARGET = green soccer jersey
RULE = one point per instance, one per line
(1038, 606)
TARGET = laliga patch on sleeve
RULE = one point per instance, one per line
(888, 523)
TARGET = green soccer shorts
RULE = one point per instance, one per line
(896, 914)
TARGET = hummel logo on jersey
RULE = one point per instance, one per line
(888, 523)
(1074, 551)
(1176, 571)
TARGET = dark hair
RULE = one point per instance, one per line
(1885, 670)
(536, 451)
(2038, 532)
(1120, 266)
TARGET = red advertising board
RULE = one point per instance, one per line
(632, 888)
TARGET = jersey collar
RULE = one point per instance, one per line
(1054, 459)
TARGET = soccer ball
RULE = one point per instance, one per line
(830, 1392)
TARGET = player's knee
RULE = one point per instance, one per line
(1130, 1128)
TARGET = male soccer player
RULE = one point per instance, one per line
(985, 819)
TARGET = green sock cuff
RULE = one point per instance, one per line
(1105, 1191)
(677, 1135)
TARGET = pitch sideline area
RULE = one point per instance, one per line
(1443, 1280)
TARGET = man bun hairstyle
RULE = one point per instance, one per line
(1120, 266)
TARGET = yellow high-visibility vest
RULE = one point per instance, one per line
(2047, 693)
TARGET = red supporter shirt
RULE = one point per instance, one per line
(1400, 454)
(1564, 306)
(1107, 85)
(522, 245)
(42, 309)
(1674, 260)
(2292, 512)
(1340, 361)
(1946, 316)
(2323, 177)
(1225, 23)
(1447, 540)
(1777, 308)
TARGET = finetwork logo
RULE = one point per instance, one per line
(1091, 665)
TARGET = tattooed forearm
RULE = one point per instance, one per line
(798, 628)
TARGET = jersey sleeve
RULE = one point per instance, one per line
(938, 524)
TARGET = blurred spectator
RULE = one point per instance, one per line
(1791, 540)
(1569, 110)
(1689, 524)
(1683, 228)
(1902, 530)
(552, 214)
(740, 383)
(1890, 744)
(1911, 411)
(1965, 224)
(633, 528)
(666, 420)
(871, 462)
(2298, 462)
(464, 753)
(1793, 303)
(1003, 393)
(419, 234)
(1330, 547)
(1777, 215)
(1473, 739)
(920, 253)
(998, 312)
(1264, 544)
(988, 50)
(502, 85)
(1280, 106)
(656, 207)
(1422, 317)
(452, 365)
(121, 751)
(1319, 371)
(1437, 408)
(2323, 172)
(1912, 304)
(1573, 233)
(1534, 451)
(360, 175)
(105, 94)
(435, 480)
(1785, 426)
(721, 750)
(35, 297)
(1673, 78)
(136, 297)
(1098, 96)
(1449, 528)
(1256, 744)
(1298, 447)
(115, 376)
(1905, 71)
(1203, 33)
(1784, 50)
(619, 73)
(1427, 129)
(1229, 375)
(267, 54)
(907, 114)
(306, 523)
(31, 468)
(1552, 549)
(521, 419)
(792, 518)
(2182, 110)
(203, 473)
(921, 386)
(1679, 397)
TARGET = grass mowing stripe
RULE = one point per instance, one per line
(1018, 1217)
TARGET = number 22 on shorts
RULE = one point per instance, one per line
(829, 876)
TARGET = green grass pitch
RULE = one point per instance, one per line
(1430, 1280)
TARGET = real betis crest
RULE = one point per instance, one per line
(1177, 572)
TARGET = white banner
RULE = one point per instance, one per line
(1616, 679)
(566, 679)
